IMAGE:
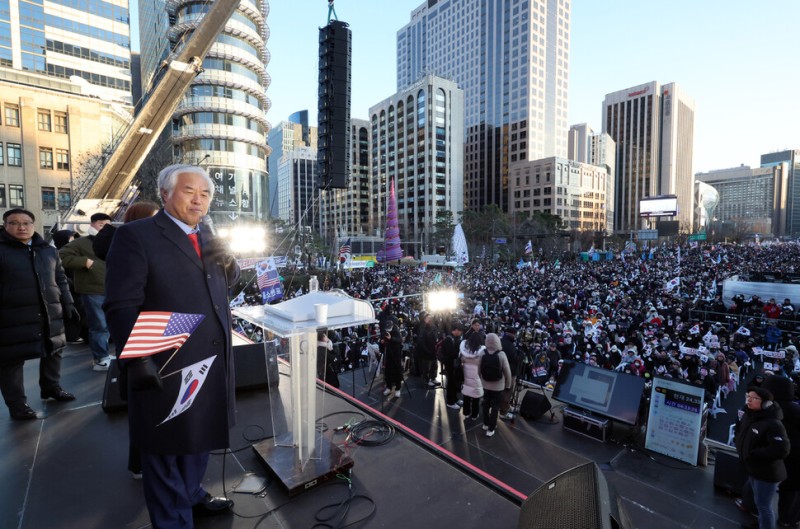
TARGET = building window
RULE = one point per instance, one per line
(64, 198)
(16, 198)
(44, 121)
(61, 122)
(62, 159)
(48, 198)
(45, 158)
(14, 152)
(2, 155)
(2, 195)
(12, 115)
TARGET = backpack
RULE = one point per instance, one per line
(491, 371)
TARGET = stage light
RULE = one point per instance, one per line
(441, 300)
(245, 239)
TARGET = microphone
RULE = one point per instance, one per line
(209, 223)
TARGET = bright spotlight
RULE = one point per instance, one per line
(245, 239)
(441, 300)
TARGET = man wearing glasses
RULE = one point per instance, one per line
(762, 444)
(34, 300)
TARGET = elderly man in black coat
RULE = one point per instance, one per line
(173, 263)
(34, 298)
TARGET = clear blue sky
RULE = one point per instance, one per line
(736, 58)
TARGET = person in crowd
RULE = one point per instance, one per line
(89, 275)
(392, 343)
(475, 327)
(74, 331)
(493, 389)
(172, 263)
(470, 352)
(426, 351)
(34, 301)
(141, 209)
(783, 390)
(326, 364)
(762, 444)
(509, 347)
(452, 365)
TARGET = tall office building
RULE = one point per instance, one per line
(298, 195)
(345, 212)
(578, 142)
(65, 91)
(285, 137)
(221, 122)
(749, 200)
(418, 140)
(63, 38)
(653, 127)
(791, 159)
(511, 58)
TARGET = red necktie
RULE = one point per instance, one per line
(196, 243)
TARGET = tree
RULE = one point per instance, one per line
(442, 230)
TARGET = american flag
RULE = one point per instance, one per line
(345, 250)
(267, 276)
(529, 248)
(155, 332)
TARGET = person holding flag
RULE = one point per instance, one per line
(167, 281)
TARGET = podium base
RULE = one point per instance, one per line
(282, 461)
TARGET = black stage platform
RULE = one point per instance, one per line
(68, 470)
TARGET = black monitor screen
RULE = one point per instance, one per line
(607, 393)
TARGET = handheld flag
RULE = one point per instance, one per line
(268, 281)
(192, 378)
(744, 331)
(345, 251)
(155, 332)
(529, 248)
(672, 283)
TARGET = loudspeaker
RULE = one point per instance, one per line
(576, 499)
(112, 399)
(534, 405)
(728, 473)
(255, 366)
(333, 105)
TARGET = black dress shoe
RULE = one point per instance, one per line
(212, 506)
(25, 413)
(57, 393)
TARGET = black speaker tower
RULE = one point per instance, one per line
(333, 117)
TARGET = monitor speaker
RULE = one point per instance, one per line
(534, 405)
(576, 499)
(729, 475)
(255, 366)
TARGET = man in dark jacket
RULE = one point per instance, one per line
(172, 263)
(452, 366)
(783, 390)
(762, 445)
(34, 285)
(89, 276)
(509, 344)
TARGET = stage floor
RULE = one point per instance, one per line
(69, 469)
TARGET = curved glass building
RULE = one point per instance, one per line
(221, 122)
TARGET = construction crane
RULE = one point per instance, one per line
(112, 189)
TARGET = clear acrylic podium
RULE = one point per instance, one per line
(298, 454)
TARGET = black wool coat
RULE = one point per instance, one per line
(33, 295)
(152, 266)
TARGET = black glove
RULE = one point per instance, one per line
(142, 374)
(72, 314)
(218, 251)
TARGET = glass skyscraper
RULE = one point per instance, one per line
(511, 58)
(221, 122)
(89, 39)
